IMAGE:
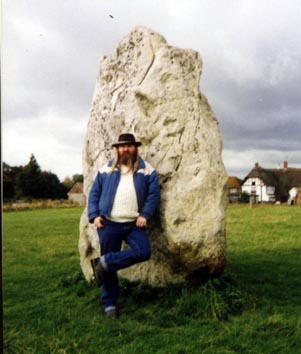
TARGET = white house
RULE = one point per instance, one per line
(260, 183)
(269, 185)
(256, 186)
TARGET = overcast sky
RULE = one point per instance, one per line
(251, 51)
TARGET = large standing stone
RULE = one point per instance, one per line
(151, 89)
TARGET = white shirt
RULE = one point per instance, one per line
(125, 205)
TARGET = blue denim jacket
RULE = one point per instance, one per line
(104, 188)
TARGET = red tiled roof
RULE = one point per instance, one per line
(234, 182)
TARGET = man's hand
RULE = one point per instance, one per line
(98, 222)
(141, 221)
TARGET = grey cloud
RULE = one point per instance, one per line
(257, 112)
(251, 60)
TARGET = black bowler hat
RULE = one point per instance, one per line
(126, 139)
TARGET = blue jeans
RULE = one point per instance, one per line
(110, 238)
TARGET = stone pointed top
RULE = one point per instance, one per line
(145, 31)
(144, 39)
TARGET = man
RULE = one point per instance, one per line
(123, 198)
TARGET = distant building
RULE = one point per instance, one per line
(76, 194)
(270, 185)
(234, 189)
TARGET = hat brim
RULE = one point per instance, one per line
(136, 143)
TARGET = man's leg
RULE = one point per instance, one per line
(110, 239)
(139, 250)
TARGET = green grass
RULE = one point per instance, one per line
(255, 307)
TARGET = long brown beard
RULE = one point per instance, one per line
(128, 159)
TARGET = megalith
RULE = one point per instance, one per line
(151, 89)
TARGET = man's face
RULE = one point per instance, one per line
(127, 154)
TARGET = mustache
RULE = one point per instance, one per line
(127, 158)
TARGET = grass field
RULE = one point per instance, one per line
(49, 308)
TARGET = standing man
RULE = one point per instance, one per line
(123, 198)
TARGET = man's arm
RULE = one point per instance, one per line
(152, 197)
(94, 198)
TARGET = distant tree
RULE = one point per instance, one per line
(8, 188)
(10, 174)
(68, 183)
(30, 180)
(52, 186)
(282, 188)
(77, 178)
(245, 197)
(64, 191)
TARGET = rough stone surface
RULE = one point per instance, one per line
(151, 89)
